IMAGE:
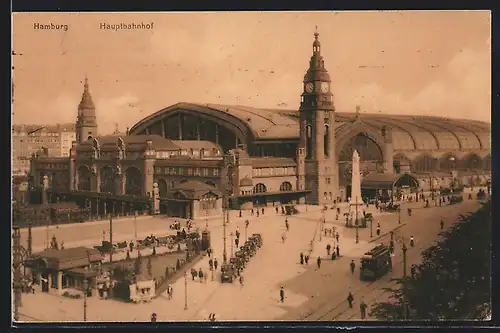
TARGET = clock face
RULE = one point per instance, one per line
(309, 87)
(324, 87)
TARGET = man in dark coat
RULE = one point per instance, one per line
(353, 266)
(215, 264)
(282, 295)
(362, 309)
(350, 299)
(318, 262)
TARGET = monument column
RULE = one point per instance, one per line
(356, 198)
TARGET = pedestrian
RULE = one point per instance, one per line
(215, 263)
(200, 275)
(194, 273)
(350, 299)
(362, 309)
(241, 279)
(337, 236)
(205, 277)
(283, 237)
(328, 249)
(257, 213)
(442, 224)
(153, 317)
(353, 266)
(282, 295)
(301, 258)
(378, 231)
(209, 252)
(318, 262)
(307, 259)
(277, 210)
(211, 264)
(262, 211)
(334, 256)
(412, 241)
(236, 242)
(252, 212)
(170, 291)
(338, 250)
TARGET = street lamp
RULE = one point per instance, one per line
(231, 235)
(85, 290)
(246, 229)
(404, 249)
(135, 224)
(16, 265)
(371, 227)
(207, 205)
(226, 195)
(111, 237)
(185, 291)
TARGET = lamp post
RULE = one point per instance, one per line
(135, 224)
(30, 238)
(231, 235)
(246, 229)
(399, 213)
(404, 249)
(226, 195)
(85, 290)
(206, 213)
(185, 291)
(452, 167)
(111, 237)
(371, 227)
(16, 265)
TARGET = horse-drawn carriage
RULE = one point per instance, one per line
(291, 210)
(456, 199)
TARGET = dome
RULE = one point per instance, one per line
(246, 181)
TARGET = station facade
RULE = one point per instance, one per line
(191, 155)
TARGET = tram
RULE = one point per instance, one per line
(375, 263)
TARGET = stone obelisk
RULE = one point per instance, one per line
(356, 199)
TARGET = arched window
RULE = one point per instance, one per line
(84, 178)
(487, 163)
(309, 141)
(472, 162)
(285, 187)
(326, 139)
(162, 188)
(108, 180)
(424, 164)
(448, 163)
(260, 188)
(134, 181)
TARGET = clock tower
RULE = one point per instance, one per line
(317, 131)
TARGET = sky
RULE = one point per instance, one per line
(421, 62)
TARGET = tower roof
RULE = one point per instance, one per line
(86, 101)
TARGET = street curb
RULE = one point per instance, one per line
(387, 233)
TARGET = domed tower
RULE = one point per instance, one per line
(317, 130)
(86, 122)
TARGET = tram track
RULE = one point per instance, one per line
(325, 311)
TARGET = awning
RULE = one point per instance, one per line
(384, 181)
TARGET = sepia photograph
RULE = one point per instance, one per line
(321, 166)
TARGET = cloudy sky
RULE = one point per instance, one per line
(428, 63)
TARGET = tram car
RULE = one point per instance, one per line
(375, 263)
(227, 273)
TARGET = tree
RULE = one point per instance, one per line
(454, 276)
